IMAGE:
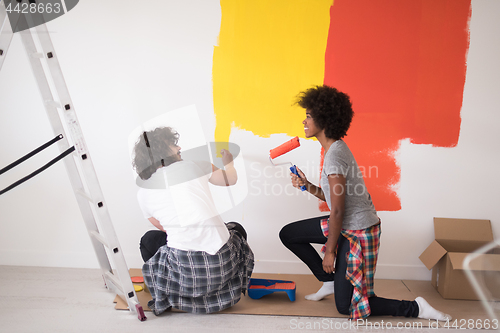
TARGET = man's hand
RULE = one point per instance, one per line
(228, 176)
(227, 157)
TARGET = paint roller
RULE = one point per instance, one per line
(283, 149)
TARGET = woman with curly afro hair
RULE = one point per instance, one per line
(351, 232)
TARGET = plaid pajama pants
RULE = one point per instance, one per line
(197, 282)
(361, 264)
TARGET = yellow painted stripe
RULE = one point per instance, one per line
(269, 51)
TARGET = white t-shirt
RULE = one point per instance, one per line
(184, 207)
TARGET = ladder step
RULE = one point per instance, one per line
(115, 282)
(38, 55)
(98, 237)
(84, 195)
(53, 103)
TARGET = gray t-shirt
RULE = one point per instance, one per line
(359, 210)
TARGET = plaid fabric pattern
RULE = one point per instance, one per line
(197, 282)
(324, 227)
(361, 264)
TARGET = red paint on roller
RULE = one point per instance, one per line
(284, 148)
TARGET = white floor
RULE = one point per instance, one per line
(40, 299)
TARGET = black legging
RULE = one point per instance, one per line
(154, 239)
(298, 236)
(151, 242)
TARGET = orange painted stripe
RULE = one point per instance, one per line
(404, 64)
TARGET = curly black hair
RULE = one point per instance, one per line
(330, 109)
(152, 151)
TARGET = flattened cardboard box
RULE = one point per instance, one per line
(454, 240)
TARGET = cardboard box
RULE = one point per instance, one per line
(454, 239)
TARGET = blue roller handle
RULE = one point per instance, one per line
(293, 169)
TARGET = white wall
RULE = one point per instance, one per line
(125, 64)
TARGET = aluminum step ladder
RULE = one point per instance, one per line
(81, 172)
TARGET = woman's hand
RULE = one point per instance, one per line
(329, 262)
(297, 181)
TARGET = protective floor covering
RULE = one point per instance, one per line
(279, 304)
